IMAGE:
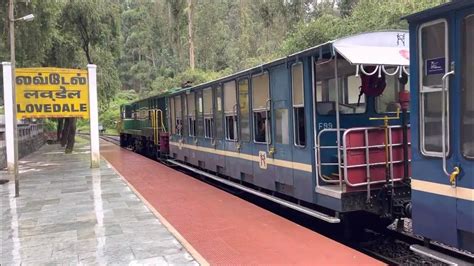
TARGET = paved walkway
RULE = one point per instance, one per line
(70, 214)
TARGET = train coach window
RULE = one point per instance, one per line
(348, 86)
(172, 115)
(191, 102)
(433, 61)
(127, 111)
(230, 110)
(179, 115)
(348, 96)
(244, 109)
(388, 101)
(281, 126)
(208, 114)
(468, 88)
(200, 110)
(261, 108)
(298, 105)
(219, 113)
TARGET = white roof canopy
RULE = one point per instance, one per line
(390, 48)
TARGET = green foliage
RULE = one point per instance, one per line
(366, 15)
(93, 25)
(109, 117)
(194, 77)
(141, 46)
(50, 125)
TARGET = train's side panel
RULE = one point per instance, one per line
(282, 173)
(441, 211)
(304, 172)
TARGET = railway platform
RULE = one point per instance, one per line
(223, 228)
(136, 211)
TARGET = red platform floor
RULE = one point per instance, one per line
(223, 228)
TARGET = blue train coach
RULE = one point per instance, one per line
(300, 130)
(442, 112)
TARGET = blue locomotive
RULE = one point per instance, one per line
(326, 131)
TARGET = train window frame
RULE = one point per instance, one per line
(208, 113)
(230, 118)
(295, 108)
(199, 131)
(219, 112)
(425, 91)
(464, 93)
(241, 108)
(191, 117)
(282, 126)
(179, 120)
(257, 112)
(172, 115)
(397, 88)
(322, 93)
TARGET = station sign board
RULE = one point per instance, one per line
(52, 92)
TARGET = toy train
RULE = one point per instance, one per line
(290, 131)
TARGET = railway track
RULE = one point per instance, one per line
(111, 138)
(387, 245)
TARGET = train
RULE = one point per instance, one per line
(373, 124)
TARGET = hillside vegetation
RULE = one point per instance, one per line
(145, 47)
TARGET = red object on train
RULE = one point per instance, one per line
(164, 142)
(356, 158)
(404, 99)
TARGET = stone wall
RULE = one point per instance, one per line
(30, 138)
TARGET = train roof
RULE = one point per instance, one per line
(439, 10)
(369, 48)
(388, 47)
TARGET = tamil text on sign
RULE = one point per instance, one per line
(51, 92)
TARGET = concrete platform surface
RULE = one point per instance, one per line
(68, 214)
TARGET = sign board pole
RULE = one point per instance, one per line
(93, 116)
(11, 134)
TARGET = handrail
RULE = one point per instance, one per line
(268, 107)
(319, 147)
(444, 95)
(161, 119)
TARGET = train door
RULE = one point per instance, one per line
(326, 121)
(446, 128)
(219, 128)
(436, 128)
(263, 140)
(463, 130)
(280, 86)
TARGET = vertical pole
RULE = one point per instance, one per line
(93, 116)
(9, 132)
(338, 123)
(13, 162)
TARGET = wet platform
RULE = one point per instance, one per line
(69, 214)
(221, 227)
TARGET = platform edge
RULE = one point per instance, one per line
(196, 255)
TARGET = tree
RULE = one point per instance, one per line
(93, 26)
(190, 33)
(365, 15)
